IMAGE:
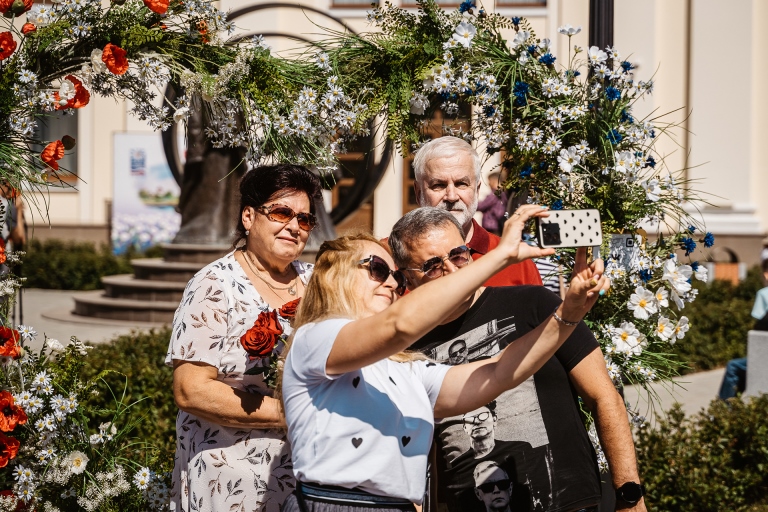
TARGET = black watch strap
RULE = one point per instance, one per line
(630, 492)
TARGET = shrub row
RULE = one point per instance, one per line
(70, 265)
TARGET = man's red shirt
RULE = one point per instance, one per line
(519, 273)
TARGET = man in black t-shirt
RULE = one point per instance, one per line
(537, 436)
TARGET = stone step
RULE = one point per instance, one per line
(126, 286)
(155, 269)
(194, 253)
(96, 305)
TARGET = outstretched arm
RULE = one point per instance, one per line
(594, 386)
(367, 340)
(468, 386)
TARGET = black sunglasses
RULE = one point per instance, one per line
(380, 271)
(433, 267)
(488, 487)
(284, 214)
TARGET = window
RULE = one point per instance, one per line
(53, 126)
(354, 164)
(521, 3)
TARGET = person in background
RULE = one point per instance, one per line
(494, 206)
(231, 449)
(447, 176)
(13, 229)
(735, 377)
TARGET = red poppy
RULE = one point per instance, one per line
(9, 448)
(202, 28)
(259, 340)
(3, 256)
(288, 310)
(9, 343)
(11, 414)
(7, 5)
(7, 45)
(158, 6)
(53, 152)
(27, 28)
(114, 57)
(81, 97)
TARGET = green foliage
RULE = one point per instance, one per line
(64, 265)
(720, 319)
(136, 374)
(716, 460)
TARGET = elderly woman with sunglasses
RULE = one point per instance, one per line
(231, 451)
(360, 411)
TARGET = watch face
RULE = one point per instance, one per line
(630, 492)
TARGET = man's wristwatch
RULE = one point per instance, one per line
(630, 492)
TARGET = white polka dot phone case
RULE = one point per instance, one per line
(569, 228)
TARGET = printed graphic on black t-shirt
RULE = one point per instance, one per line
(528, 449)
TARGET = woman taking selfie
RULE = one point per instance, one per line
(231, 452)
(360, 411)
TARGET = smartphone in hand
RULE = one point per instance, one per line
(569, 228)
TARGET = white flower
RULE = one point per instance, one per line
(568, 159)
(602, 72)
(624, 161)
(48, 422)
(323, 61)
(523, 58)
(464, 33)
(53, 346)
(652, 189)
(661, 298)
(98, 65)
(681, 328)
(568, 30)
(677, 276)
(664, 328)
(552, 145)
(521, 37)
(77, 462)
(27, 332)
(627, 339)
(22, 474)
(701, 273)
(613, 53)
(142, 478)
(596, 56)
(181, 114)
(642, 303)
(96, 439)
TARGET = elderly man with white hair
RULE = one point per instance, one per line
(447, 172)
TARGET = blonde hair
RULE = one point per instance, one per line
(331, 291)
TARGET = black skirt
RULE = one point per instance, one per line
(317, 498)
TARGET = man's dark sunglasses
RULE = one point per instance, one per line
(283, 214)
(488, 487)
(433, 267)
(380, 271)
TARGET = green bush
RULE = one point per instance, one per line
(715, 460)
(65, 265)
(140, 360)
(720, 318)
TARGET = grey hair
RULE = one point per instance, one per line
(416, 224)
(443, 147)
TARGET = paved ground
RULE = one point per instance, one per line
(48, 311)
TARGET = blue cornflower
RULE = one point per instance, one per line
(691, 229)
(614, 136)
(516, 20)
(489, 110)
(532, 49)
(466, 5)
(612, 93)
(645, 275)
(695, 266)
(650, 162)
(520, 91)
(626, 117)
(652, 133)
(547, 59)
(627, 66)
(688, 244)
(557, 205)
(526, 171)
(709, 240)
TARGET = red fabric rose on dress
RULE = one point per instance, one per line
(11, 414)
(9, 448)
(52, 153)
(114, 57)
(9, 346)
(260, 340)
(288, 310)
(3, 256)
(7, 45)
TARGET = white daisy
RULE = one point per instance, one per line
(664, 328)
(642, 303)
(682, 327)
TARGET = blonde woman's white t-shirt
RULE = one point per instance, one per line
(369, 429)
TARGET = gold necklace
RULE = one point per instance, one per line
(291, 288)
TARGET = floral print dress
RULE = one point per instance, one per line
(219, 468)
